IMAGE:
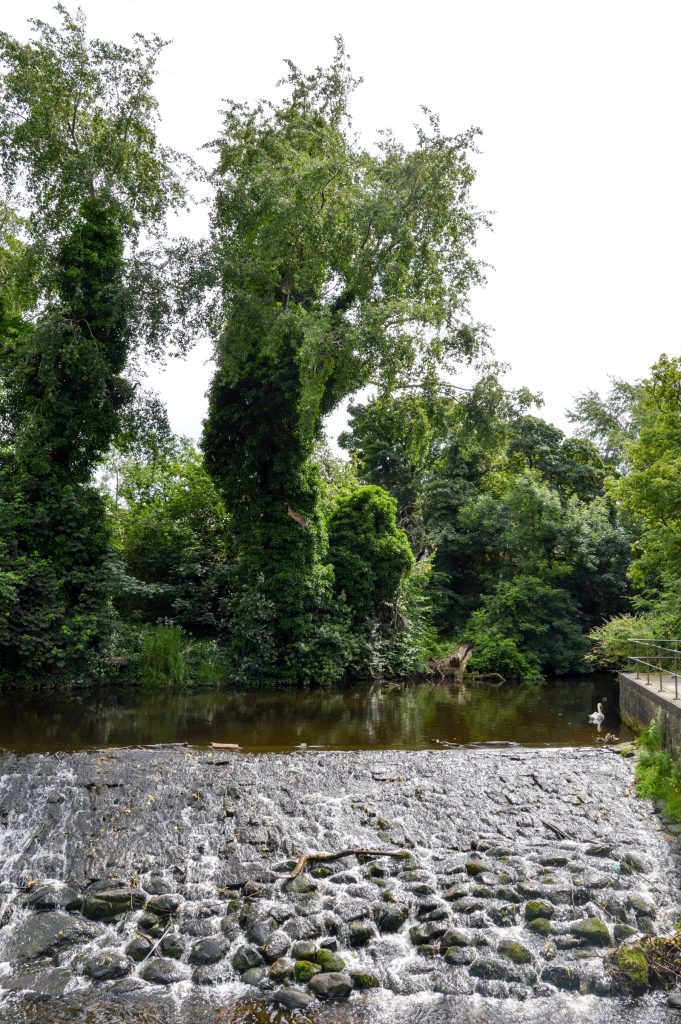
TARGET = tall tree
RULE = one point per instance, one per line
(79, 153)
(338, 267)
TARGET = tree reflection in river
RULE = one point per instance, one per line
(398, 715)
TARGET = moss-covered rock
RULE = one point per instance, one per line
(363, 980)
(540, 926)
(623, 931)
(592, 931)
(514, 951)
(329, 962)
(304, 970)
(539, 908)
(632, 964)
(476, 867)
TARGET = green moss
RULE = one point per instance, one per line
(329, 961)
(593, 931)
(363, 980)
(631, 962)
(540, 926)
(623, 931)
(539, 908)
(304, 970)
(514, 951)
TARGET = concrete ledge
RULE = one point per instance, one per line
(640, 704)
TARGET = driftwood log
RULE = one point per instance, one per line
(455, 664)
(316, 856)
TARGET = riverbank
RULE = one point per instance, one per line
(518, 870)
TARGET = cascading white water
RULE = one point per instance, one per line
(488, 839)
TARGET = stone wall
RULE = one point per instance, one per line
(640, 704)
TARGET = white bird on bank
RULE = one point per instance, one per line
(597, 716)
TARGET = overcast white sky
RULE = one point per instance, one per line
(580, 155)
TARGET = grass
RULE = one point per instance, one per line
(658, 775)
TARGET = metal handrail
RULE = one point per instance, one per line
(655, 656)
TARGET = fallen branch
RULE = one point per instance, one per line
(158, 943)
(225, 746)
(554, 828)
(315, 856)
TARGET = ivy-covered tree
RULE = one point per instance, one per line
(338, 266)
(78, 153)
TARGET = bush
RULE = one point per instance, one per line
(658, 776)
(368, 551)
(162, 657)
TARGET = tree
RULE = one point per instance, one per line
(79, 152)
(650, 491)
(172, 532)
(338, 267)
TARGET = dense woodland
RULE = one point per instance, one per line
(330, 270)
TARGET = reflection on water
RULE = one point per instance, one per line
(367, 716)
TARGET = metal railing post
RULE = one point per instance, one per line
(659, 664)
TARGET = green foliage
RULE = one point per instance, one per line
(337, 267)
(658, 775)
(172, 532)
(162, 660)
(79, 154)
(651, 488)
(368, 552)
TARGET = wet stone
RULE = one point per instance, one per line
(161, 971)
(304, 970)
(45, 934)
(592, 931)
(53, 897)
(561, 976)
(514, 951)
(458, 957)
(139, 948)
(255, 976)
(331, 986)
(111, 903)
(329, 962)
(293, 999)
(276, 946)
(246, 957)
(304, 928)
(540, 926)
(208, 950)
(539, 908)
(281, 971)
(454, 937)
(152, 924)
(107, 965)
(421, 934)
(46, 984)
(165, 903)
(304, 950)
(363, 980)
(492, 969)
(361, 932)
(391, 916)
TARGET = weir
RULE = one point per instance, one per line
(152, 885)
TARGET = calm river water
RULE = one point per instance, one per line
(368, 716)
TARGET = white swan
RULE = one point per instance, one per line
(598, 716)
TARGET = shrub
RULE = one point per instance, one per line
(162, 658)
